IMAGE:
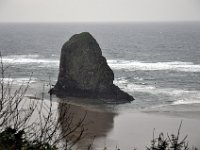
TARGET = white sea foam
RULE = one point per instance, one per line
(114, 64)
(186, 102)
(131, 87)
(179, 96)
(139, 65)
(18, 81)
(29, 59)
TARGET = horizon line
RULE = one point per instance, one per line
(95, 22)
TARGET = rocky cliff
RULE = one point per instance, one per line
(85, 73)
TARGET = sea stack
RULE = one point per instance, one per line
(84, 72)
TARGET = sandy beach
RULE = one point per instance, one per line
(134, 129)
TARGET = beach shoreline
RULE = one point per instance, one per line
(134, 129)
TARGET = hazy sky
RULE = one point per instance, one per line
(98, 10)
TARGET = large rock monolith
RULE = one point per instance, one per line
(84, 72)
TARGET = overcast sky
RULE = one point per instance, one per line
(98, 10)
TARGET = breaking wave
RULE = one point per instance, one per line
(30, 59)
(139, 65)
(18, 81)
(114, 64)
(184, 102)
(178, 96)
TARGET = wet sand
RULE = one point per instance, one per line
(106, 126)
(135, 130)
(129, 130)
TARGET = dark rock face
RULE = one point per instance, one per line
(85, 73)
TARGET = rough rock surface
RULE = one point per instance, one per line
(85, 73)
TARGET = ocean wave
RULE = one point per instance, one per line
(18, 81)
(114, 64)
(186, 102)
(140, 65)
(178, 96)
(131, 87)
(30, 59)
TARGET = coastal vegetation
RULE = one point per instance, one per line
(28, 123)
(172, 142)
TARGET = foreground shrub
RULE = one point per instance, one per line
(29, 123)
(11, 139)
(172, 142)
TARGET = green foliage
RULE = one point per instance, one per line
(172, 142)
(36, 145)
(11, 139)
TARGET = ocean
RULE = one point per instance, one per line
(157, 63)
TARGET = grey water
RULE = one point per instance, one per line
(157, 63)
